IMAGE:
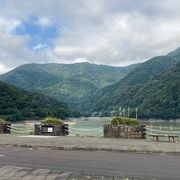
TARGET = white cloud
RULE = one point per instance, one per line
(39, 46)
(2, 68)
(115, 32)
(44, 21)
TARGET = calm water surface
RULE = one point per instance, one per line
(93, 126)
(97, 122)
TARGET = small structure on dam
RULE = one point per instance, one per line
(124, 131)
(51, 127)
(122, 127)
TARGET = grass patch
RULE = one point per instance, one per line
(52, 121)
(124, 121)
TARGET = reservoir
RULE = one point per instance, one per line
(93, 126)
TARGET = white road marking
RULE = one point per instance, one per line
(2, 155)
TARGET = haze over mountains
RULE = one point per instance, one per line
(153, 86)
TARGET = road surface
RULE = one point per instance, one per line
(157, 166)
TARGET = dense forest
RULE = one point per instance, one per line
(162, 98)
(153, 87)
(16, 104)
(70, 83)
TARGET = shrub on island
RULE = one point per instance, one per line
(51, 126)
(52, 121)
(124, 121)
(124, 127)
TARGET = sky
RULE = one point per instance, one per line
(110, 32)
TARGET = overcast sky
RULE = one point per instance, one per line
(112, 32)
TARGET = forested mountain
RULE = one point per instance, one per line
(71, 83)
(16, 104)
(153, 87)
(162, 98)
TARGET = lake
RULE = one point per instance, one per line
(93, 126)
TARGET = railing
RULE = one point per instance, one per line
(86, 132)
(97, 132)
(163, 130)
(21, 129)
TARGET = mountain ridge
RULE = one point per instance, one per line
(93, 88)
(71, 83)
(129, 91)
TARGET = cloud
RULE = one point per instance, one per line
(40, 31)
(2, 68)
(115, 32)
(44, 22)
(11, 46)
(39, 46)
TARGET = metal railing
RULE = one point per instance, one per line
(163, 130)
(21, 129)
(86, 131)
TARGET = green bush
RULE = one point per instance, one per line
(51, 121)
(124, 121)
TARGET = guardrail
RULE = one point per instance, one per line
(25, 129)
(86, 132)
(161, 129)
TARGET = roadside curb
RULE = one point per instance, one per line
(93, 149)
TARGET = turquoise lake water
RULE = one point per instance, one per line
(93, 126)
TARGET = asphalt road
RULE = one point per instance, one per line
(101, 163)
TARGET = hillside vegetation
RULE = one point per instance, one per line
(16, 104)
(70, 83)
(153, 87)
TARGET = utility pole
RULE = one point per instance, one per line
(110, 113)
(128, 111)
(136, 113)
(120, 111)
(124, 112)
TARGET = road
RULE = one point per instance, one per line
(156, 166)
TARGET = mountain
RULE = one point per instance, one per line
(71, 83)
(152, 87)
(16, 104)
(163, 98)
